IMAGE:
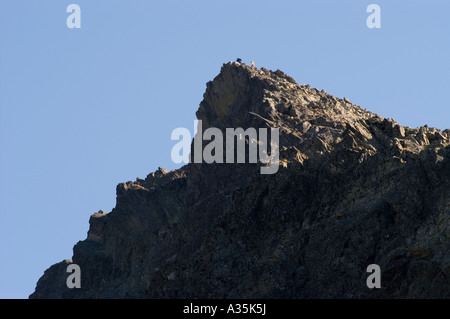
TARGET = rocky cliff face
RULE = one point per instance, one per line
(352, 189)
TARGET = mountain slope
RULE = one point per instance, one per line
(352, 189)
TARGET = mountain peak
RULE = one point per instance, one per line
(311, 121)
(353, 189)
(239, 88)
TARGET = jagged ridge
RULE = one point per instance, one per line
(353, 189)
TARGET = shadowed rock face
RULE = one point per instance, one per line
(352, 189)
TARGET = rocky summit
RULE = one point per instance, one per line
(353, 189)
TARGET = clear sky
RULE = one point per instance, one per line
(84, 109)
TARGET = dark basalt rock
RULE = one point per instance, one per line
(352, 189)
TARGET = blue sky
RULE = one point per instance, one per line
(82, 110)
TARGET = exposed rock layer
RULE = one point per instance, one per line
(352, 189)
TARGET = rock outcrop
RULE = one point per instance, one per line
(352, 189)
